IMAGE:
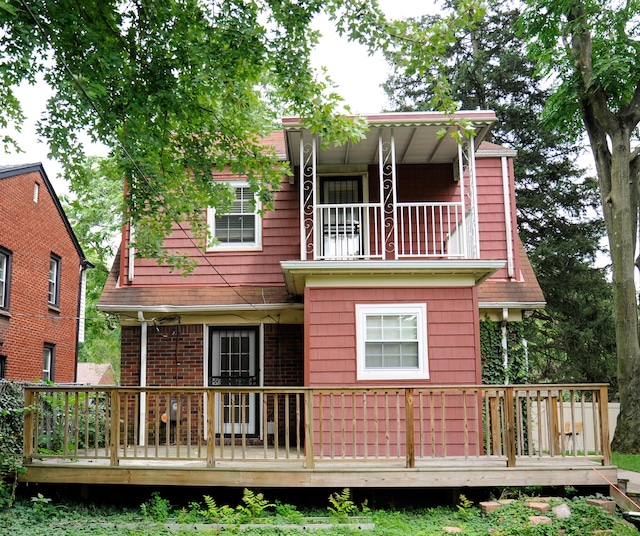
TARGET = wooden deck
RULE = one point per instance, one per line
(383, 437)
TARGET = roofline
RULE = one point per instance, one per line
(114, 309)
(484, 117)
(23, 169)
(488, 153)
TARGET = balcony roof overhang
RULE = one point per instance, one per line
(301, 274)
(415, 136)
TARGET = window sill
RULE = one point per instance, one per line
(54, 309)
(5, 314)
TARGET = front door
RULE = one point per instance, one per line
(233, 363)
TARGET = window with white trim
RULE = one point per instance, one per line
(54, 280)
(392, 341)
(5, 277)
(241, 227)
(48, 362)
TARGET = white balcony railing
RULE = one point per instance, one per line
(424, 230)
(349, 231)
(430, 230)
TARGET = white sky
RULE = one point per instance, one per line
(357, 75)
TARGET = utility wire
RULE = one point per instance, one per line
(134, 163)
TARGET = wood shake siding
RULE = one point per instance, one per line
(451, 332)
(280, 241)
(491, 212)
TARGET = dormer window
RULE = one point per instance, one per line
(240, 228)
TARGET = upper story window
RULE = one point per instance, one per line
(241, 227)
(48, 362)
(54, 280)
(5, 277)
(392, 341)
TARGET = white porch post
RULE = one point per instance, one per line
(143, 378)
(474, 197)
(465, 237)
(388, 195)
(308, 201)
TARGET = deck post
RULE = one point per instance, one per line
(510, 432)
(28, 425)
(211, 436)
(308, 426)
(115, 426)
(410, 439)
(604, 426)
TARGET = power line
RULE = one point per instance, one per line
(77, 82)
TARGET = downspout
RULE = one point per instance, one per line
(505, 348)
(143, 377)
(507, 217)
(82, 291)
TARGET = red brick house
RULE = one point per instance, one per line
(375, 267)
(42, 269)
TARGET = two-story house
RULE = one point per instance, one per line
(42, 274)
(375, 267)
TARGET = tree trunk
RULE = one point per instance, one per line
(620, 216)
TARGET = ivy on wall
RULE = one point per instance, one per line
(491, 351)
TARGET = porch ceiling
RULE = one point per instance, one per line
(416, 138)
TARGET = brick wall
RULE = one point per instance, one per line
(32, 231)
(284, 355)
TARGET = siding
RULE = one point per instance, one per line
(280, 241)
(452, 332)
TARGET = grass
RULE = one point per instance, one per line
(630, 462)
(41, 516)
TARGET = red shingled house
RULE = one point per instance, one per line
(375, 268)
(42, 269)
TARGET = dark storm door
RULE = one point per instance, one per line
(233, 362)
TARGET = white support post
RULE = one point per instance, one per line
(461, 157)
(143, 379)
(395, 194)
(474, 197)
(303, 235)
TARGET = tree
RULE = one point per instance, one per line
(589, 49)
(94, 211)
(571, 340)
(178, 87)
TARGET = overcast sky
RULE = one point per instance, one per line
(357, 75)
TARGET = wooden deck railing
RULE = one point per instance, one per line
(310, 426)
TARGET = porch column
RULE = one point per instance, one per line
(388, 191)
(467, 170)
(308, 201)
(143, 379)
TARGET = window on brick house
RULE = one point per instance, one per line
(3, 366)
(48, 362)
(241, 227)
(392, 341)
(5, 277)
(54, 280)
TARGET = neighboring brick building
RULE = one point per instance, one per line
(42, 271)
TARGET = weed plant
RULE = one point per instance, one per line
(41, 516)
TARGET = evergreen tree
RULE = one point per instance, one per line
(572, 340)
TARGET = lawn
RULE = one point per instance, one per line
(630, 462)
(38, 515)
